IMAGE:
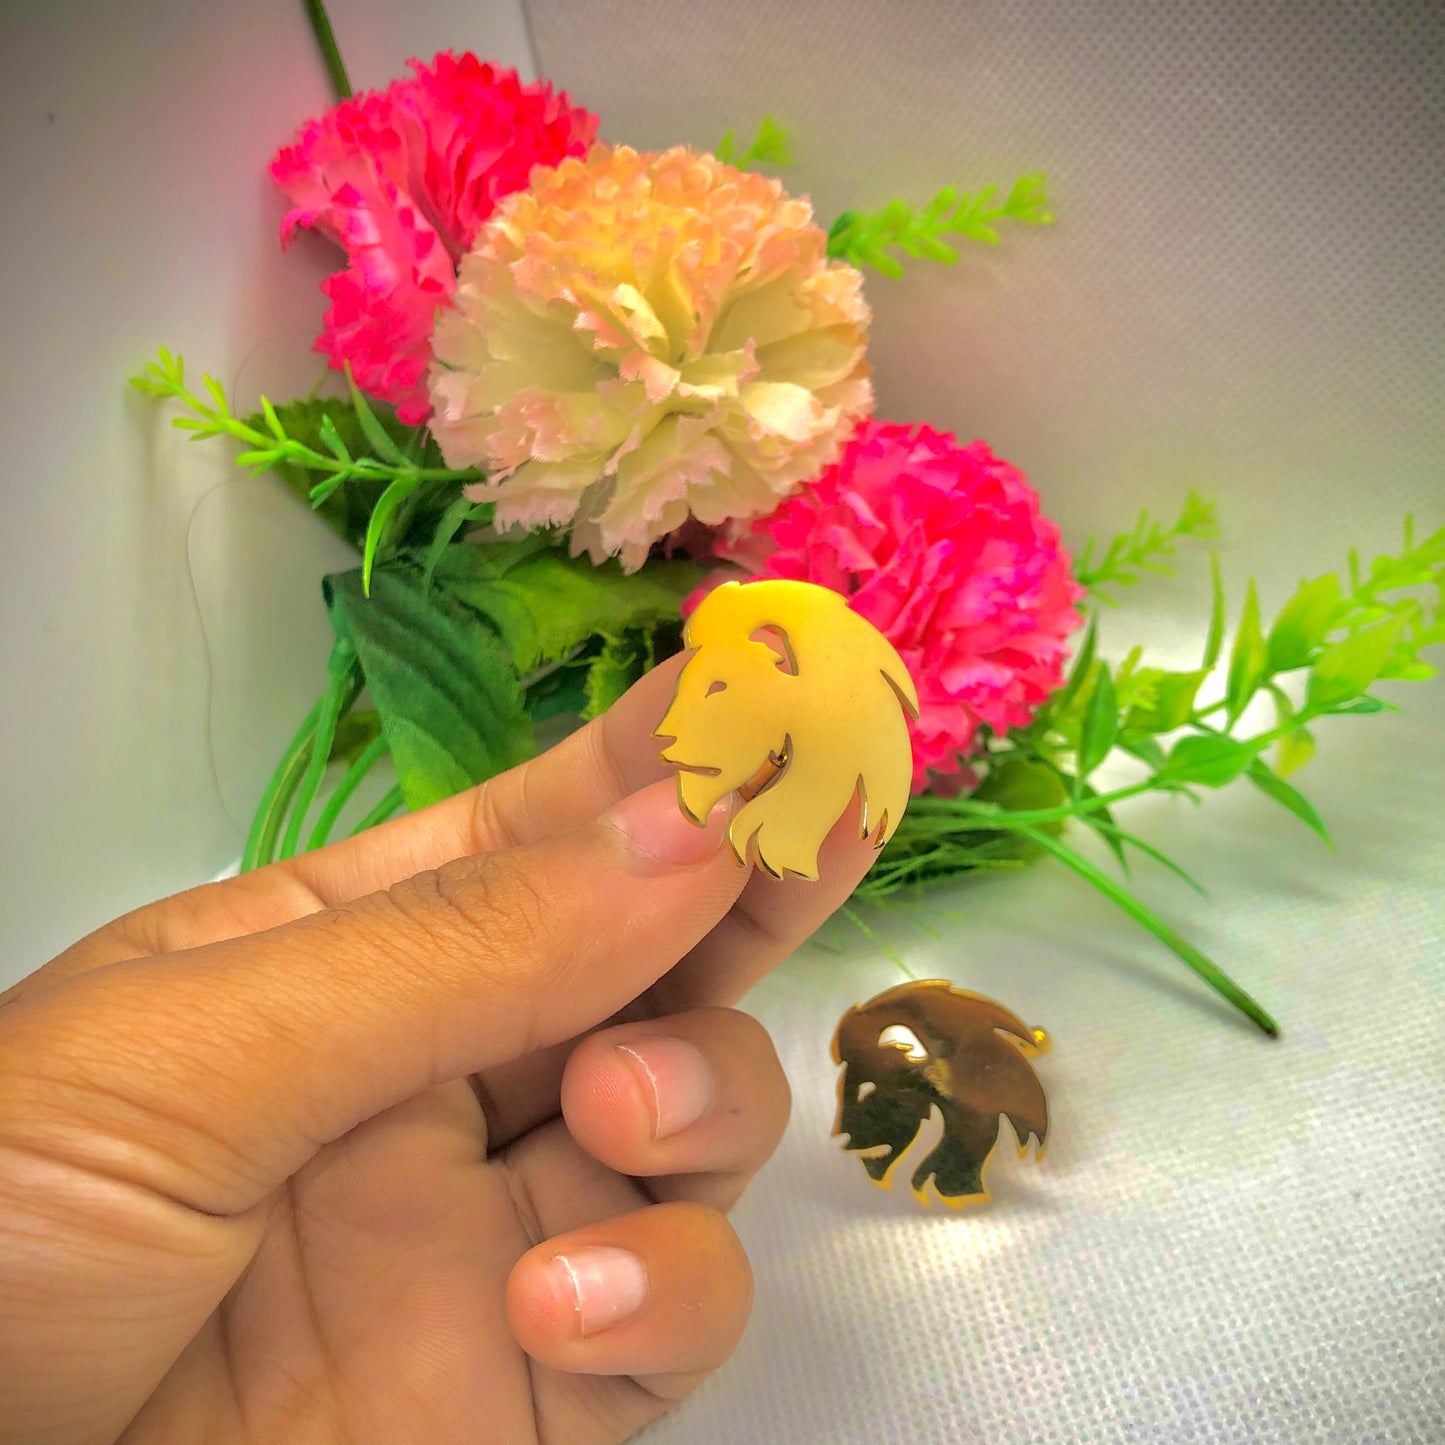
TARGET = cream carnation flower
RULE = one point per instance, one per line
(642, 338)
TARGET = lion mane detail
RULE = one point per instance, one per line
(804, 735)
(973, 1068)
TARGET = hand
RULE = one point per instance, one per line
(374, 1145)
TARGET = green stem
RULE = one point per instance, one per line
(261, 841)
(330, 51)
(381, 812)
(971, 817)
(342, 687)
(1180, 947)
(853, 918)
(447, 474)
(548, 668)
(214, 421)
(375, 751)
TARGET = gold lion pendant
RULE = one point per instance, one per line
(925, 1046)
(801, 707)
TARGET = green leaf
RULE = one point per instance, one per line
(1101, 820)
(1022, 785)
(1346, 669)
(1296, 748)
(1107, 828)
(448, 697)
(1173, 701)
(1214, 641)
(1100, 725)
(1143, 747)
(392, 498)
(1211, 761)
(621, 662)
(1208, 970)
(550, 603)
(1302, 624)
(1134, 686)
(463, 564)
(1109, 836)
(459, 512)
(276, 800)
(273, 422)
(378, 438)
(355, 731)
(1361, 707)
(1028, 200)
(1409, 671)
(559, 692)
(344, 682)
(1273, 786)
(332, 438)
(1079, 670)
(1247, 659)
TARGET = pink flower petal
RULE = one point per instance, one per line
(402, 180)
(942, 547)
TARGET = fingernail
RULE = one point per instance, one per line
(659, 831)
(606, 1286)
(678, 1078)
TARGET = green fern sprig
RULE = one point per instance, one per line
(770, 147)
(1146, 548)
(864, 238)
(271, 446)
(165, 379)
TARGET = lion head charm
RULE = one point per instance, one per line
(800, 705)
(970, 1062)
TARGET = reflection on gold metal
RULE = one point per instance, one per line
(798, 704)
(970, 1062)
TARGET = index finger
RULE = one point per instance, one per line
(571, 783)
(577, 780)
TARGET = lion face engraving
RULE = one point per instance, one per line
(975, 1068)
(802, 736)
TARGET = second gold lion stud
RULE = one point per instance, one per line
(924, 1047)
(799, 705)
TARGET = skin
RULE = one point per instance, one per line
(291, 1158)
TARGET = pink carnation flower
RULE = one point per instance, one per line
(403, 179)
(942, 547)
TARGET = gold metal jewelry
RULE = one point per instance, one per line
(925, 1046)
(799, 705)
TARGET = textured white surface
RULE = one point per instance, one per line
(1230, 1240)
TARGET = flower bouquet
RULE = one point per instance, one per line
(578, 385)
